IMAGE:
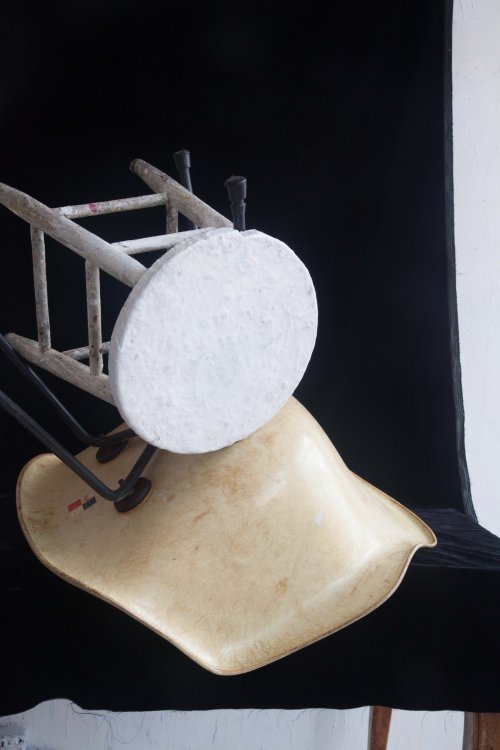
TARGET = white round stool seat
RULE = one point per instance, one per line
(213, 340)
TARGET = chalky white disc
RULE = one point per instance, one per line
(213, 340)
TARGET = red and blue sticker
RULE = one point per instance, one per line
(83, 503)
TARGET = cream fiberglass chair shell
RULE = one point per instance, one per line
(238, 556)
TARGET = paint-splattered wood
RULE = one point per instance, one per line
(63, 365)
(239, 556)
(80, 240)
(187, 203)
(93, 286)
(112, 207)
(83, 352)
(40, 284)
(158, 242)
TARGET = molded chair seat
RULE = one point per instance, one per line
(238, 556)
(432, 646)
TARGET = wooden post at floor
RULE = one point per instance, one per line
(481, 731)
(378, 727)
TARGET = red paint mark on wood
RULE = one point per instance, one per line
(75, 505)
(93, 208)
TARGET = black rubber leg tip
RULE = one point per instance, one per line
(136, 497)
(109, 452)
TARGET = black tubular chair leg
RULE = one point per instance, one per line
(117, 438)
(182, 161)
(237, 191)
(126, 486)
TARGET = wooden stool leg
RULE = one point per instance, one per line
(378, 728)
(481, 731)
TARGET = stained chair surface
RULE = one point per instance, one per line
(238, 556)
(432, 645)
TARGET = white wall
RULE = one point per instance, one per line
(61, 725)
(476, 155)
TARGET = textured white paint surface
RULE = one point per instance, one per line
(61, 725)
(476, 157)
(213, 340)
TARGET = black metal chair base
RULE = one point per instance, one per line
(138, 495)
(108, 452)
(132, 488)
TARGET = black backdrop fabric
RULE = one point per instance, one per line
(336, 118)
